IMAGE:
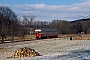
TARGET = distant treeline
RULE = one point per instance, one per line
(11, 25)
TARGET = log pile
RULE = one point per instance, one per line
(25, 52)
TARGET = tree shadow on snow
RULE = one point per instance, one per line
(75, 55)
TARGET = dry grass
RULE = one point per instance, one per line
(66, 35)
(27, 37)
(31, 37)
(76, 36)
(82, 37)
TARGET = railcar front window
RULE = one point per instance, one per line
(37, 32)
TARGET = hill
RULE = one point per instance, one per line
(80, 20)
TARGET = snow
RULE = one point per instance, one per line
(58, 49)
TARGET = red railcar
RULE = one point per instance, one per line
(42, 33)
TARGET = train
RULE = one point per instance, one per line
(45, 33)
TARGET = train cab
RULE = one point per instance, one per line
(37, 33)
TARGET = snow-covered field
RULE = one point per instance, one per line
(50, 49)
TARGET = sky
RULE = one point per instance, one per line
(48, 10)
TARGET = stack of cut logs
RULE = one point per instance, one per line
(25, 52)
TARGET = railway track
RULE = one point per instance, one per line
(9, 43)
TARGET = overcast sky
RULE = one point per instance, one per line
(48, 10)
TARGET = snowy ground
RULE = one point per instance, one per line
(84, 55)
(50, 49)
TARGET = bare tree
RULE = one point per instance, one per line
(31, 19)
(8, 17)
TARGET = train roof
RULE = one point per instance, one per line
(42, 29)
